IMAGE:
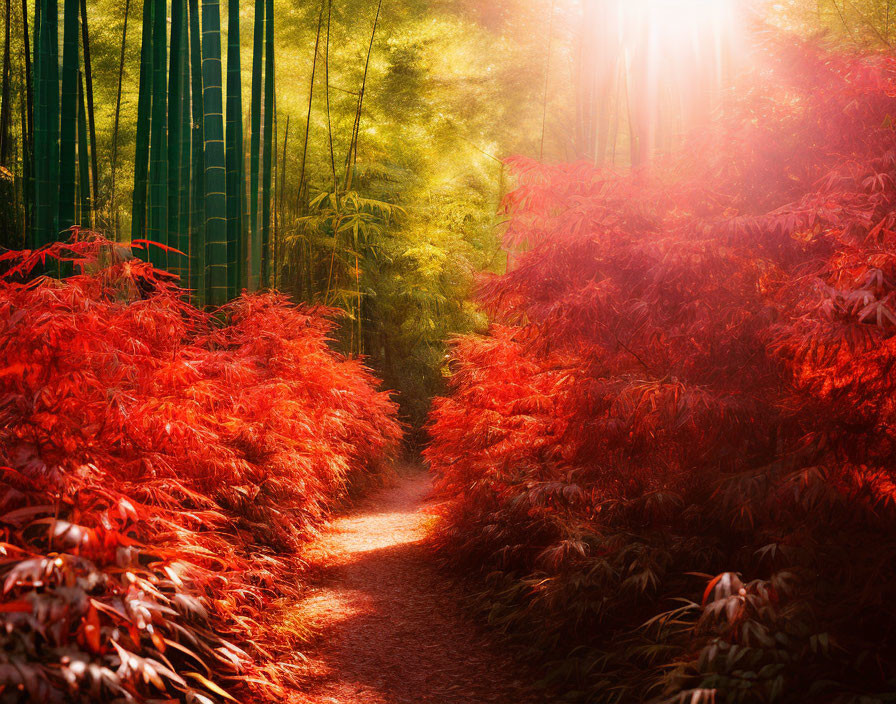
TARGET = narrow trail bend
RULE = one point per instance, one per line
(390, 630)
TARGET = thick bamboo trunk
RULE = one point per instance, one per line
(216, 276)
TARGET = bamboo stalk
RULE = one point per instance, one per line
(267, 154)
(27, 130)
(299, 194)
(352, 156)
(5, 111)
(255, 240)
(157, 230)
(113, 165)
(46, 151)
(197, 168)
(88, 78)
(215, 165)
(176, 143)
(24, 186)
(29, 96)
(278, 222)
(69, 117)
(144, 107)
(184, 123)
(327, 93)
(234, 149)
(84, 182)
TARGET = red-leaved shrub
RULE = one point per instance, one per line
(161, 468)
(693, 375)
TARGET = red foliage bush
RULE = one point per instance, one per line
(162, 467)
(694, 375)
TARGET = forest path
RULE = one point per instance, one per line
(390, 630)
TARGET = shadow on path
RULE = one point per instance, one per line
(391, 631)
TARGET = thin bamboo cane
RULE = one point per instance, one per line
(144, 109)
(157, 230)
(352, 156)
(84, 182)
(255, 242)
(5, 108)
(113, 165)
(27, 130)
(300, 202)
(185, 125)
(29, 91)
(279, 260)
(327, 93)
(197, 167)
(88, 78)
(267, 154)
(234, 149)
(178, 56)
(69, 117)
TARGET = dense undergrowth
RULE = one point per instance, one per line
(162, 466)
(671, 462)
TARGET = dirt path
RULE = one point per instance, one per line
(391, 629)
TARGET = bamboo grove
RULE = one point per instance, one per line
(364, 175)
(193, 194)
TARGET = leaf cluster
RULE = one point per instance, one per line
(692, 375)
(162, 468)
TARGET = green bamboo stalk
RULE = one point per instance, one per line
(267, 166)
(299, 194)
(327, 96)
(197, 171)
(69, 116)
(27, 128)
(185, 123)
(5, 108)
(157, 231)
(9, 217)
(234, 149)
(84, 181)
(215, 164)
(53, 114)
(352, 156)
(23, 187)
(88, 78)
(255, 242)
(29, 95)
(35, 234)
(179, 52)
(144, 109)
(279, 262)
(113, 165)
(46, 148)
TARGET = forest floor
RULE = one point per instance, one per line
(390, 628)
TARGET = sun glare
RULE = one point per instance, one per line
(677, 29)
(659, 65)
